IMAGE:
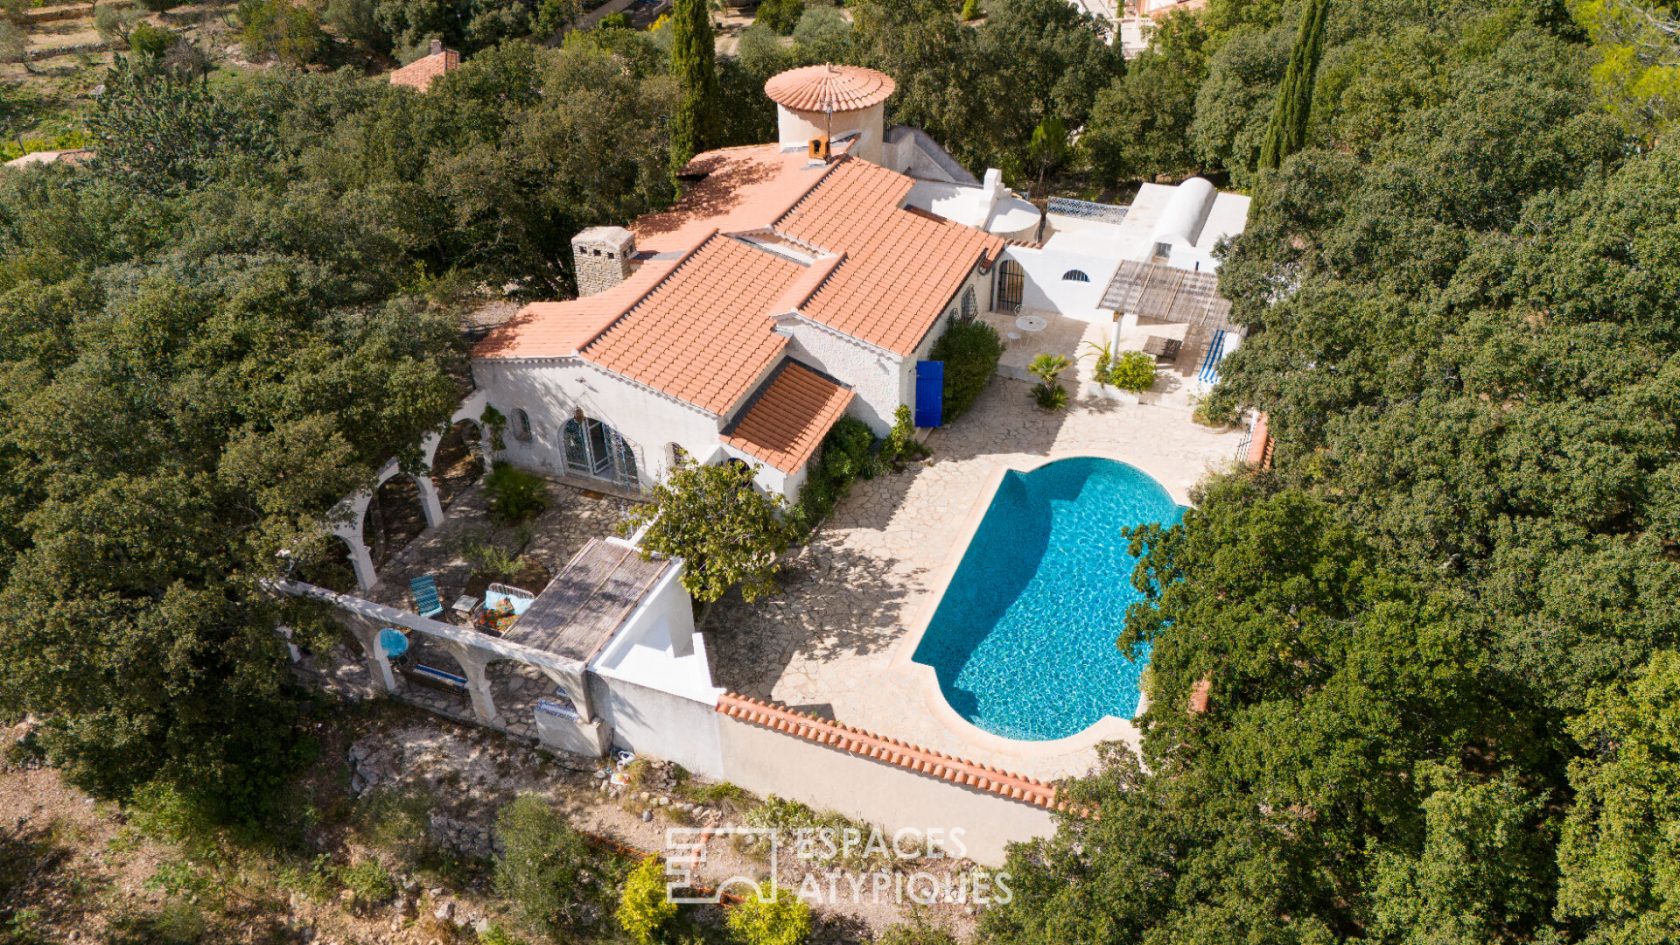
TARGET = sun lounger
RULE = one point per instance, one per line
(425, 592)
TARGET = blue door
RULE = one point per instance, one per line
(930, 393)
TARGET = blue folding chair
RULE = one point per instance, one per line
(426, 600)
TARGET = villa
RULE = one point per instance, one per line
(797, 282)
(962, 631)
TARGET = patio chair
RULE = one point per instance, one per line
(425, 592)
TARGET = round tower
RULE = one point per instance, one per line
(828, 103)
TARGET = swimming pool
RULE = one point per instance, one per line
(1023, 641)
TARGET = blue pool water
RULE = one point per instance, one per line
(1023, 641)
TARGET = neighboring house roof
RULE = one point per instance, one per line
(829, 88)
(73, 156)
(703, 334)
(696, 320)
(786, 421)
(857, 741)
(420, 73)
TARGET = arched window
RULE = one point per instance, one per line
(521, 426)
(596, 450)
(969, 306)
(1075, 275)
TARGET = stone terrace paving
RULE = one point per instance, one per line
(854, 596)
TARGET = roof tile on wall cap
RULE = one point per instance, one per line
(829, 88)
(858, 741)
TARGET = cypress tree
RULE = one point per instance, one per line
(694, 127)
(1287, 132)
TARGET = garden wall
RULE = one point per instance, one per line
(766, 761)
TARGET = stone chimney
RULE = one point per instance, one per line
(437, 47)
(601, 256)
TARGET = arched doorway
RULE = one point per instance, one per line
(395, 517)
(596, 451)
(457, 463)
(1011, 282)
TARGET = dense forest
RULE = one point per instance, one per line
(1441, 632)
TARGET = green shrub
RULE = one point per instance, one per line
(780, 15)
(515, 495)
(546, 869)
(494, 934)
(847, 454)
(971, 10)
(970, 350)
(643, 908)
(148, 41)
(770, 918)
(280, 29)
(917, 931)
(846, 451)
(395, 821)
(901, 443)
(368, 882)
(1050, 397)
(1048, 368)
(1133, 371)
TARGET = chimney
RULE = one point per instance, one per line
(437, 47)
(601, 257)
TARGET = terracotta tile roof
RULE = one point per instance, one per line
(1260, 443)
(891, 751)
(561, 329)
(744, 189)
(703, 334)
(696, 320)
(420, 73)
(902, 267)
(1200, 694)
(829, 88)
(786, 421)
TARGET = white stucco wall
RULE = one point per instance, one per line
(550, 390)
(1043, 287)
(872, 372)
(894, 798)
(796, 129)
(652, 683)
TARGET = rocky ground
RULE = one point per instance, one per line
(72, 870)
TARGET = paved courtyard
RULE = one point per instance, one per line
(836, 639)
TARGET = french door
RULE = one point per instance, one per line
(596, 450)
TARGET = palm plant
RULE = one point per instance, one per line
(1048, 368)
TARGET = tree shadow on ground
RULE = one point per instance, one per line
(834, 602)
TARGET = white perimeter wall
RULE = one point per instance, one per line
(662, 725)
(769, 762)
(1044, 288)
